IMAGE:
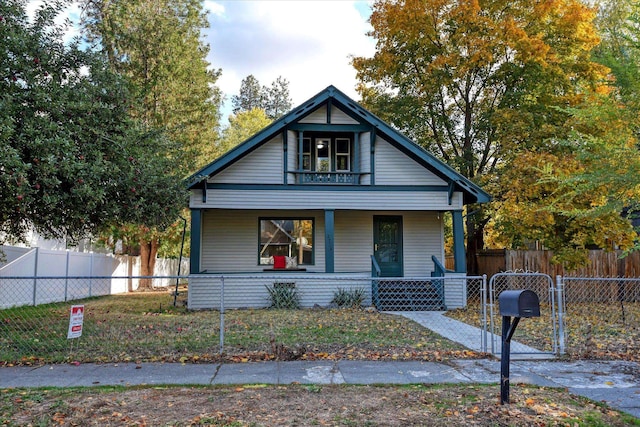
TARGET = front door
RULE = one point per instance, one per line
(387, 244)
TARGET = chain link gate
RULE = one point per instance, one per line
(538, 335)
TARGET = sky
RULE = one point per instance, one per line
(309, 43)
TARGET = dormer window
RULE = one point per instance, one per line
(327, 158)
(326, 154)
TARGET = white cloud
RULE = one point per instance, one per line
(307, 42)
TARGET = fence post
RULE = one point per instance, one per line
(491, 325)
(483, 298)
(35, 278)
(90, 274)
(221, 314)
(560, 298)
(66, 278)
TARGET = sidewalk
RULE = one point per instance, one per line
(616, 383)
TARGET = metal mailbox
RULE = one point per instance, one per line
(519, 303)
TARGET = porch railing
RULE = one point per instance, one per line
(309, 177)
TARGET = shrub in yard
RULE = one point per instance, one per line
(283, 295)
(348, 298)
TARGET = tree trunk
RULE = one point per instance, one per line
(148, 253)
(475, 241)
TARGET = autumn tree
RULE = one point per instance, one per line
(72, 159)
(157, 45)
(585, 193)
(579, 196)
(477, 82)
(274, 100)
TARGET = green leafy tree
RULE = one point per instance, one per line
(477, 82)
(242, 125)
(72, 160)
(274, 100)
(619, 25)
(157, 45)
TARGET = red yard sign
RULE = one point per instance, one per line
(75, 321)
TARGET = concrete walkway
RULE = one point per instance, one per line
(470, 336)
(616, 383)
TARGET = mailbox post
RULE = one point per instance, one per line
(516, 304)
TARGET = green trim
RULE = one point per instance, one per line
(355, 156)
(195, 241)
(458, 243)
(285, 155)
(450, 193)
(300, 153)
(319, 127)
(372, 160)
(329, 105)
(328, 187)
(329, 240)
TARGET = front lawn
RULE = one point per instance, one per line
(147, 327)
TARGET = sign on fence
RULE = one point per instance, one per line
(75, 321)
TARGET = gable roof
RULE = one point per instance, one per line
(472, 192)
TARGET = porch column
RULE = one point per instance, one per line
(329, 250)
(196, 236)
(458, 242)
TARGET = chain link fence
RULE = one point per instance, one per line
(287, 317)
(35, 315)
(239, 318)
(601, 317)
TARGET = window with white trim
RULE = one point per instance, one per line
(326, 154)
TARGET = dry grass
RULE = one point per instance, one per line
(146, 327)
(262, 405)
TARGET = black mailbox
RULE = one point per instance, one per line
(521, 303)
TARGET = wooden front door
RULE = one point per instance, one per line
(387, 245)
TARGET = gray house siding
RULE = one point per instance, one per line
(394, 168)
(334, 199)
(319, 116)
(230, 240)
(263, 166)
(242, 291)
(365, 158)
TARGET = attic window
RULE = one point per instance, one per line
(326, 154)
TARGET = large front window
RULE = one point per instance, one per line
(292, 237)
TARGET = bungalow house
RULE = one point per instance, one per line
(327, 191)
